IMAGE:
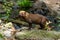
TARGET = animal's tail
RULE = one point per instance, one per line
(48, 22)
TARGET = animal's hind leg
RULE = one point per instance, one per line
(42, 26)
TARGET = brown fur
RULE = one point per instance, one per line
(34, 18)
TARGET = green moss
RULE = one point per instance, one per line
(1, 36)
(40, 34)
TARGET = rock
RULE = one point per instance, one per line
(1, 1)
(7, 29)
(58, 39)
(9, 24)
(40, 7)
(54, 5)
(17, 26)
(7, 33)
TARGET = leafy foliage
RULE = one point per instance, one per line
(24, 4)
(8, 8)
(1, 36)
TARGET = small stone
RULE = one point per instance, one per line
(7, 33)
(58, 39)
(9, 25)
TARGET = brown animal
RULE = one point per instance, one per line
(34, 18)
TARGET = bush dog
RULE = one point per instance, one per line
(34, 18)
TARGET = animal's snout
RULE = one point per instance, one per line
(21, 13)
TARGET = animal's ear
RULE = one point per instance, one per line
(22, 13)
(27, 14)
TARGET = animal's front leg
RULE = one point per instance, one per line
(30, 26)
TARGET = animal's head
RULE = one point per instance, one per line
(23, 13)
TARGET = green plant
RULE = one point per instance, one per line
(1, 36)
(7, 6)
(24, 4)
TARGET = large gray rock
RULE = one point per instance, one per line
(54, 5)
